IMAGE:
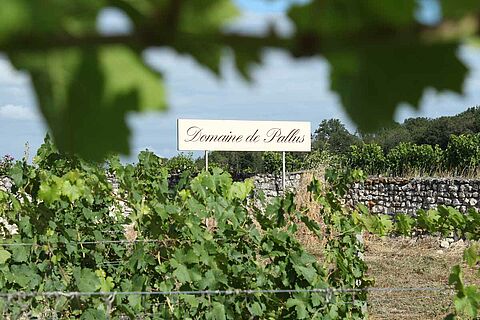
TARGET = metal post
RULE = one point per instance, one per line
(283, 170)
(206, 160)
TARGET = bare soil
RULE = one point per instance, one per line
(413, 263)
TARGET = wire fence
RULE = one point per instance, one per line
(121, 241)
(16, 304)
(327, 291)
(383, 302)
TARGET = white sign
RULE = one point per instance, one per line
(240, 135)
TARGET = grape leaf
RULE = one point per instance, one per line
(218, 311)
(86, 94)
(93, 314)
(19, 254)
(372, 81)
(182, 274)
(38, 19)
(344, 17)
(255, 309)
(4, 256)
(25, 276)
(208, 16)
(459, 8)
(86, 280)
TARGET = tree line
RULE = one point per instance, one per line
(334, 144)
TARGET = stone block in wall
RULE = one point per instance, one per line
(411, 195)
(452, 188)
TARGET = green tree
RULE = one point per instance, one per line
(332, 135)
(388, 137)
(417, 127)
(238, 163)
(438, 131)
(380, 55)
(422, 130)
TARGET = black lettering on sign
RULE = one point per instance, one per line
(196, 134)
(253, 137)
(275, 135)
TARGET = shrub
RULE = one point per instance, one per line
(180, 163)
(408, 157)
(463, 152)
(272, 162)
(368, 156)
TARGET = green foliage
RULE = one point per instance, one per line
(272, 162)
(332, 135)
(370, 70)
(379, 54)
(405, 224)
(443, 221)
(342, 234)
(204, 234)
(381, 225)
(368, 157)
(420, 131)
(463, 152)
(407, 157)
(242, 164)
(237, 163)
(318, 159)
(182, 163)
(462, 156)
(467, 298)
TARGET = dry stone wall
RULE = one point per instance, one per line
(400, 195)
(271, 184)
(381, 195)
(392, 195)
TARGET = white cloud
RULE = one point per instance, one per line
(11, 77)
(15, 112)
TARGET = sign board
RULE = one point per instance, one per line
(240, 135)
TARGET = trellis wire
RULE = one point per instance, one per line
(24, 294)
(122, 241)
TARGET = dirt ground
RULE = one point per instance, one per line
(412, 263)
(409, 263)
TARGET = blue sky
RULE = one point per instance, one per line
(283, 89)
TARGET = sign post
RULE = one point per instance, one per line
(242, 135)
(206, 160)
(283, 171)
